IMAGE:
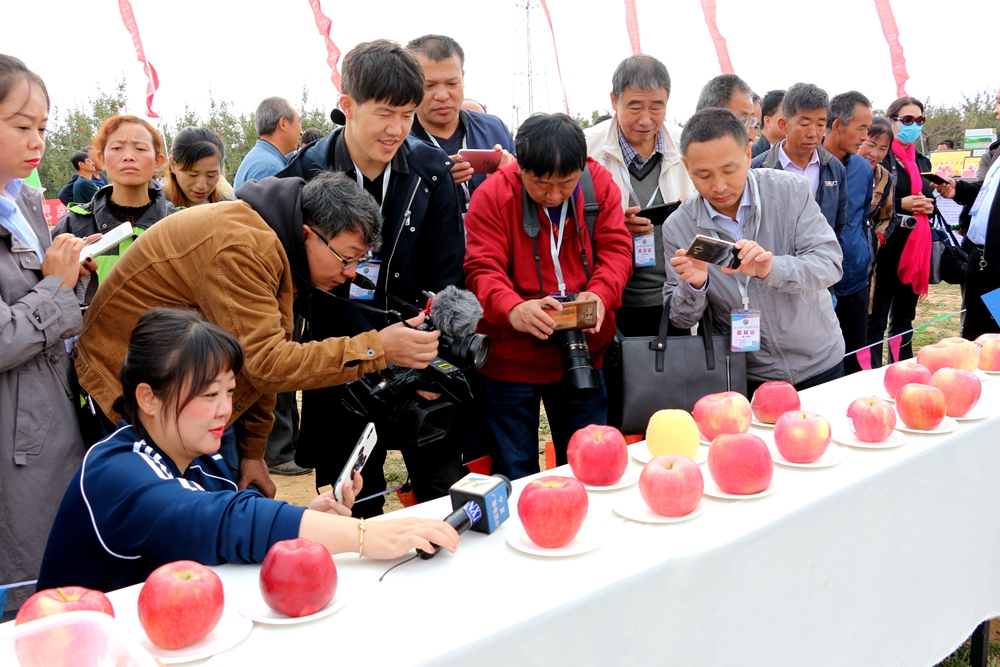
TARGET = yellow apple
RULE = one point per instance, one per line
(672, 432)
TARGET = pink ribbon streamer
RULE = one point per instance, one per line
(153, 82)
(721, 49)
(891, 33)
(894, 344)
(548, 17)
(865, 359)
(632, 25)
(323, 23)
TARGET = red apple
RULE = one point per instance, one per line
(773, 399)
(726, 412)
(951, 352)
(298, 577)
(180, 603)
(872, 419)
(671, 485)
(740, 464)
(597, 455)
(989, 360)
(961, 390)
(904, 372)
(921, 406)
(801, 437)
(552, 510)
(59, 646)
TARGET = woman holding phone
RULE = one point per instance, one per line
(39, 311)
(157, 490)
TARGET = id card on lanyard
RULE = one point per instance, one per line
(745, 322)
(644, 247)
(370, 269)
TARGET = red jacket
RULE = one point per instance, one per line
(500, 270)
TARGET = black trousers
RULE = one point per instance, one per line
(852, 311)
(978, 319)
(894, 302)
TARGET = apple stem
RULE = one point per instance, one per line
(62, 595)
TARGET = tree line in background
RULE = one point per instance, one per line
(72, 130)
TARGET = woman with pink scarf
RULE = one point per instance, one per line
(903, 264)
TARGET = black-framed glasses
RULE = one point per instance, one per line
(347, 263)
(909, 120)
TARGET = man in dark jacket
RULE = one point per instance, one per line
(423, 246)
(440, 119)
(770, 133)
(847, 128)
(85, 168)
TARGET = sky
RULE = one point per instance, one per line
(245, 51)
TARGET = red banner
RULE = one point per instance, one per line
(891, 33)
(153, 82)
(721, 49)
(323, 23)
(54, 210)
(548, 17)
(632, 25)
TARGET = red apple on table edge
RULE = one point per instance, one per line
(920, 406)
(597, 455)
(740, 464)
(298, 577)
(801, 437)
(951, 352)
(961, 389)
(552, 510)
(872, 419)
(904, 372)
(671, 485)
(59, 646)
(725, 412)
(773, 399)
(180, 603)
(989, 360)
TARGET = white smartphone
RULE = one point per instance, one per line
(109, 241)
(366, 443)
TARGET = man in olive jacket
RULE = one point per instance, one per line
(248, 266)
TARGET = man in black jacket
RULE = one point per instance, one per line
(423, 248)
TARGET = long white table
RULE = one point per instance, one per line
(889, 558)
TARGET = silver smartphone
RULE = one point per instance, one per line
(108, 241)
(366, 443)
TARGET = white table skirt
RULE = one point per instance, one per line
(889, 558)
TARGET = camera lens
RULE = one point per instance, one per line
(471, 350)
(578, 370)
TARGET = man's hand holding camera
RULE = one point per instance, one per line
(754, 262)
(404, 345)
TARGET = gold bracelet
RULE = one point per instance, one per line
(361, 543)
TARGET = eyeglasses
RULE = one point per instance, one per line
(749, 122)
(909, 120)
(348, 263)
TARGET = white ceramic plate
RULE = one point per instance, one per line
(845, 437)
(983, 375)
(947, 425)
(885, 396)
(640, 453)
(589, 538)
(628, 479)
(231, 630)
(257, 610)
(759, 424)
(713, 490)
(988, 373)
(633, 507)
(831, 457)
(976, 413)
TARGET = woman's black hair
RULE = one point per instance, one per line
(190, 145)
(879, 127)
(13, 71)
(173, 351)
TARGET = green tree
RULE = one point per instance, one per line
(593, 120)
(951, 121)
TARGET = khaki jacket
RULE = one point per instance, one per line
(226, 263)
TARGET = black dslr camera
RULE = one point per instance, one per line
(579, 376)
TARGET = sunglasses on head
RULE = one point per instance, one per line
(909, 120)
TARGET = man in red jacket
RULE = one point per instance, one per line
(528, 252)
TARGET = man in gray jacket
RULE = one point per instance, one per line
(789, 256)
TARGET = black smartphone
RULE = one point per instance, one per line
(658, 214)
(933, 177)
(714, 251)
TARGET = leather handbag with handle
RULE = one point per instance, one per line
(675, 371)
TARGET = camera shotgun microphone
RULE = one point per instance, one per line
(480, 503)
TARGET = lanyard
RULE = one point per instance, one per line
(755, 221)
(385, 181)
(626, 176)
(556, 246)
(465, 146)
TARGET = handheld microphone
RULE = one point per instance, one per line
(480, 503)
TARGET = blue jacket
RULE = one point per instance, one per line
(854, 237)
(482, 131)
(130, 510)
(832, 192)
(263, 160)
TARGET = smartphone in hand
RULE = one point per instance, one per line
(714, 251)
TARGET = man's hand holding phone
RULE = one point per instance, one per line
(636, 225)
(692, 271)
(754, 260)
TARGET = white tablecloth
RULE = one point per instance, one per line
(890, 558)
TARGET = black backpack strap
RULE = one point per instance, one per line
(590, 210)
(529, 215)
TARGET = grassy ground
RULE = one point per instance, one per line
(960, 658)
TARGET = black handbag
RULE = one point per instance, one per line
(954, 262)
(675, 371)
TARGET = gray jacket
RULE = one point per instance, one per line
(800, 334)
(39, 438)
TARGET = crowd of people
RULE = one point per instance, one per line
(176, 356)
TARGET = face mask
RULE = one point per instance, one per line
(909, 134)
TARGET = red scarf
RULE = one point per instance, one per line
(915, 262)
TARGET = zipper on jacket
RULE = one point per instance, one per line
(405, 222)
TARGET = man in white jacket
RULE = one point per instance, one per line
(638, 148)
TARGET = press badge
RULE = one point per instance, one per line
(645, 250)
(745, 329)
(370, 271)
